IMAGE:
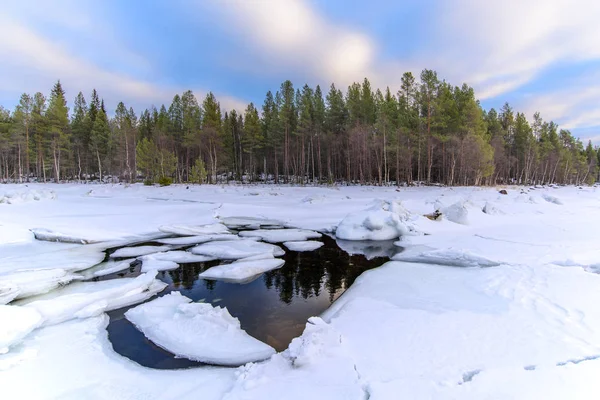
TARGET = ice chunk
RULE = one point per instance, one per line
(236, 249)
(197, 331)
(180, 257)
(149, 263)
(33, 282)
(107, 268)
(194, 230)
(242, 271)
(251, 222)
(68, 257)
(385, 220)
(15, 324)
(282, 235)
(138, 251)
(51, 236)
(450, 257)
(189, 240)
(308, 245)
(456, 213)
(8, 292)
(552, 199)
(87, 299)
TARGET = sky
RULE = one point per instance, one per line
(537, 55)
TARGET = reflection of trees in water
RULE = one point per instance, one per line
(304, 274)
(307, 274)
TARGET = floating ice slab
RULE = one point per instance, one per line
(179, 257)
(308, 245)
(189, 240)
(197, 331)
(34, 282)
(251, 222)
(87, 299)
(243, 270)
(449, 257)
(107, 268)
(15, 324)
(138, 251)
(281, 235)
(194, 230)
(236, 249)
(51, 236)
(8, 292)
(149, 263)
(67, 257)
(385, 220)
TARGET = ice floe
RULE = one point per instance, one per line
(251, 223)
(87, 299)
(197, 331)
(385, 220)
(179, 257)
(282, 235)
(138, 251)
(15, 324)
(369, 249)
(52, 236)
(236, 249)
(243, 270)
(194, 230)
(190, 240)
(33, 282)
(107, 268)
(8, 291)
(308, 245)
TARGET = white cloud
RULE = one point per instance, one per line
(294, 36)
(32, 62)
(498, 46)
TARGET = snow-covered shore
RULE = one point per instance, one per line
(498, 299)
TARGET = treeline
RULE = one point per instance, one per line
(428, 131)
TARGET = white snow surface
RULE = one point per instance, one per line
(243, 270)
(107, 268)
(308, 245)
(15, 324)
(281, 235)
(526, 328)
(197, 331)
(236, 249)
(28, 283)
(178, 256)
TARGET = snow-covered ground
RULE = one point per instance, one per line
(496, 299)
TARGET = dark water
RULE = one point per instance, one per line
(273, 308)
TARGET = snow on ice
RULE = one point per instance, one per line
(194, 230)
(15, 324)
(139, 251)
(190, 240)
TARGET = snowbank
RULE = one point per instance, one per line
(385, 220)
(197, 331)
(25, 196)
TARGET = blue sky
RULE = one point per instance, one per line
(538, 56)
